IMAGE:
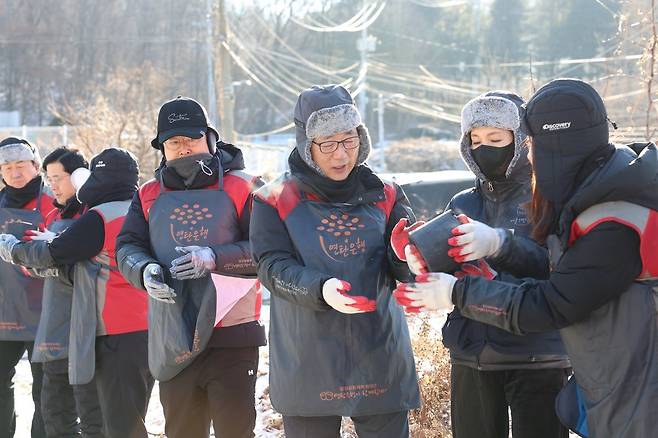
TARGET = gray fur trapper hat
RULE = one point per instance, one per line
(326, 110)
(18, 149)
(498, 109)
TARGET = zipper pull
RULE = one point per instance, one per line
(490, 186)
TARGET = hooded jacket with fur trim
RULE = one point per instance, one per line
(501, 204)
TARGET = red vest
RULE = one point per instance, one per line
(125, 307)
(238, 186)
(643, 220)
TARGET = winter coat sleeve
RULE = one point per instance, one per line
(598, 268)
(81, 241)
(235, 259)
(279, 268)
(521, 257)
(33, 255)
(401, 209)
(134, 244)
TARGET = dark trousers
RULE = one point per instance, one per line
(218, 386)
(10, 353)
(479, 403)
(62, 404)
(124, 383)
(395, 425)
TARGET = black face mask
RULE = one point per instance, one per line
(493, 161)
(188, 167)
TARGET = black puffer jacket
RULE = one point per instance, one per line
(135, 251)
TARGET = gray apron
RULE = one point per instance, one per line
(20, 295)
(90, 279)
(82, 337)
(179, 332)
(330, 363)
(52, 339)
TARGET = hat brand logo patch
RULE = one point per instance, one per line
(101, 163)
(556, 126)
(173, 117)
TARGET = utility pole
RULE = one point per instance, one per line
(212, 94)
(226, 93)
(381, 108)
(380, 121)
(366, 44)
(363, 72)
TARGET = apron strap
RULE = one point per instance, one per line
(220, 175)
(38, 206)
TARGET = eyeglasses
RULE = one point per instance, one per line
(177, 143)
(327, 147)
(55, 179)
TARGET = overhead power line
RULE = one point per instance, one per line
(362, 20)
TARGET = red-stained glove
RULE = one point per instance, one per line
(429, 292)
(415, 261)
(474, 240)
(400, 237)
(334, 292)
(483, 269)
(41, 234)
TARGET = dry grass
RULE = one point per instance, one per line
(432, 419)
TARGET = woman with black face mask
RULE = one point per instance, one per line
(595, 205)
(493, 370)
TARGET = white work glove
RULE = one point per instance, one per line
(415, 261)
(7, 243)
(155, 285)
(197, 262)
(45, 235)
(429, 292)
(44, 272)
(474, 240)
(334, 292)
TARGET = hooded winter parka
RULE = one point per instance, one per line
(502, 204)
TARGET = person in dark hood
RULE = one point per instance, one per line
(339, 345)
(108, 339)
(24, 204)
(596, 207)
(185, 242)
(62, 403)
(494, 372)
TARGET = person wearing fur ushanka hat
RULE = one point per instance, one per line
(25, 202)
(595, 206)
(320, 234)
(493, 371)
